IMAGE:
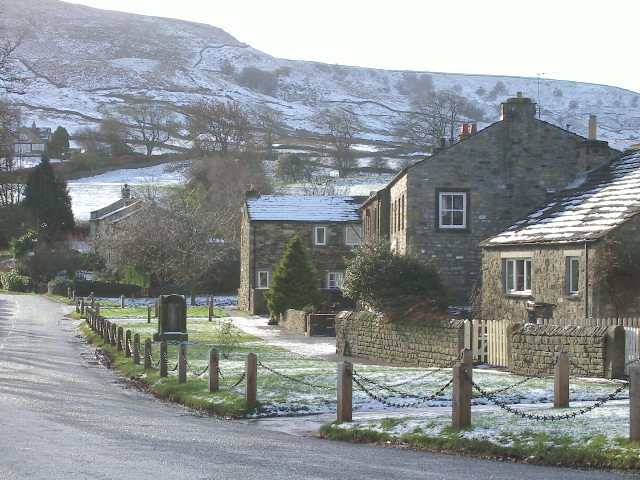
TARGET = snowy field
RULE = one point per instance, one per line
(92, 193)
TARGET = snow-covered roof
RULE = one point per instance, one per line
(302, 208)
(608, 197)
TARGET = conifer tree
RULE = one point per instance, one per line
(295, 282)
(46, 197)
(59, 143)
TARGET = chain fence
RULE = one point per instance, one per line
(293, 379)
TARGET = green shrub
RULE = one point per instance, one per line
(14, 282)
(295, 282)
(392, 283)
(59, 286)
(24, 244)
(101, 288)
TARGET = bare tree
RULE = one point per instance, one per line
(270, 125)
(433, 117)
(215, 126)
(10, 185)
(148, 124)
(10, 80)
(341, 127)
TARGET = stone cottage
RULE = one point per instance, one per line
(329, 227)
(107, 219)
(577, 257)
(443, 206)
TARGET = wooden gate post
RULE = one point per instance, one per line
(147, 353)
(120, 332)
(251, 380)
(634, 403)
(462, 391)
(561, 380)
(127, 344)
(164, 368)
(214, 372)
(136, 349)
(182, 363)
(344, 411)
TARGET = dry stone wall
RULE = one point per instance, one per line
(294, 321)
(371, 335)
(593, 351)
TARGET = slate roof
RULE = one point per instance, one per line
(299, 208)
(607, 197)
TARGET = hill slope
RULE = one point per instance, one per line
(80, 62)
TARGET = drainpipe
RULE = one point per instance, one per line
(586, 280)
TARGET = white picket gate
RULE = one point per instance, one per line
(487, 340)
(631, 350)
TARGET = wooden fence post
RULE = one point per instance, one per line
(182, 363)
(97, 308)
(251, 380)
(634, 403)
(210, 309)
(148, 313)
(561, 380)
(120, 332)
(164, 368)
(147, 353)
(74, 295)
(121, 301)
(214, 373)
(113, 334)
(462, 391)
(106, 325)
(344, 411)
(127, 344)
(82, 306)
(136, 349)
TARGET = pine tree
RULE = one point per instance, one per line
(46, 197)
(59, 143)
(295, 282)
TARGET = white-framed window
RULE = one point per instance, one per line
(353, 235)
(262, 280)
(319, 235)
(517, 275)
(452, 210)
(334, 279)
(573, 275)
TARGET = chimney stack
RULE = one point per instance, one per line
(593, 127)
(519, 108)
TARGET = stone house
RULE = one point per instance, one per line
(107, 219)
(577, 257)
(441, 207)
(329, 227)
(31, 141)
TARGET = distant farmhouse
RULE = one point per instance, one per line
(329, 227)
(443, 206)
(31, 141)
(577, 257)
(112, 217)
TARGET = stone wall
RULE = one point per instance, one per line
(370, 335)
(593, 351)
(294, 321)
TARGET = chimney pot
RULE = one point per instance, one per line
(593, 127)
(474, 128)
(465, 128)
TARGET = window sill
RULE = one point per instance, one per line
(452, 230)
(519, 295)
(573, 298)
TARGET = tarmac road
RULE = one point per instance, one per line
(63, 415)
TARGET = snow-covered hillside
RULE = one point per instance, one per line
(82, 62)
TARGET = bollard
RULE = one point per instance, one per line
(214, 373)
(182, 363)
(462, 391)
(147, 353)
(561, 380)
(634, 403)
(148, 313)
(345, 392)
(251, 380)
(136, 349)
(121, 301)
(127, 344)
(120, 331)
(210, 310)
(113, 334)
(164, 368)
